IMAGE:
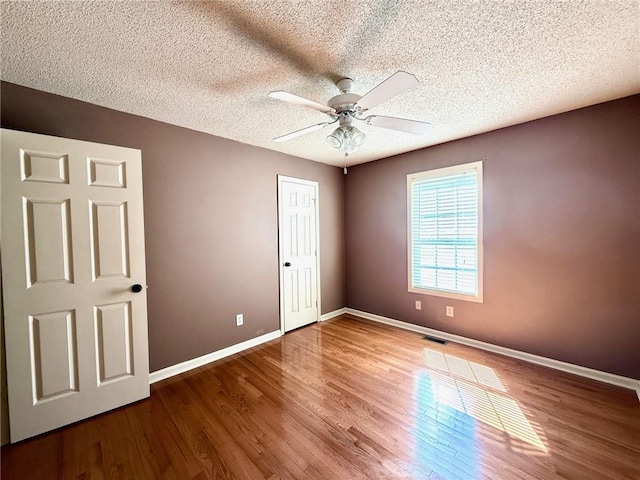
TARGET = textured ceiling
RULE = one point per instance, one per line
(209, 66)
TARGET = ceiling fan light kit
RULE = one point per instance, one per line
(346, 139)
(347, 107)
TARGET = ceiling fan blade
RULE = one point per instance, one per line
(304, 131)
(394, 85)
(399, 124)
(296, 100)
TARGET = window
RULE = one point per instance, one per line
(445, 232)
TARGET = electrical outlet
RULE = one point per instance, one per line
(418, 305)
(239, 319)
(449, 311)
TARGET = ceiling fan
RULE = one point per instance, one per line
(347, 107)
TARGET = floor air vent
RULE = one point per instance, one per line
(435, 340)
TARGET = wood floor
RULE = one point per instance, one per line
(352, 399)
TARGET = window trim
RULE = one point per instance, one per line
(440, 172)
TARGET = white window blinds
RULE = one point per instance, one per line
(445, 232)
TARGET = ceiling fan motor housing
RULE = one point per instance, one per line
(345, 102)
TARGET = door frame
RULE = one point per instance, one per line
(316, 186)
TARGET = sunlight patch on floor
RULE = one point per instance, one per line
(472, 371)
(476, 390)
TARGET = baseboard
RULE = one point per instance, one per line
(336, 313)
(610, 378)
(211, 357)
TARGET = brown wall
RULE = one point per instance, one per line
(561, 238)
(210, 222)
(562, 231)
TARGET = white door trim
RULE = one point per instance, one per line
(316, 186)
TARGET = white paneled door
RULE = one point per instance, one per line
(73, 271)
(299, 284)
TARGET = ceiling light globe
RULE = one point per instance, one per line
(336, 138)
(357, 137)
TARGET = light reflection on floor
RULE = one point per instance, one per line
(455, 394)
(481, 399)
(445, 437)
